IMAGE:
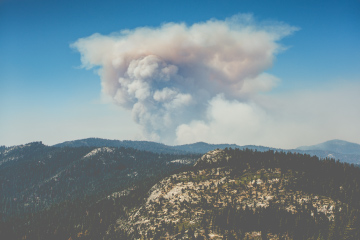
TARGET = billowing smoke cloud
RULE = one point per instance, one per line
(167, 76)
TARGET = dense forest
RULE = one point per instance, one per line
(312, 199)
(80, 193)
(339, 181)
(326, 177)
(43, 187)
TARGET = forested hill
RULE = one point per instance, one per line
(327, 177)
(34, 177)
(140, 145)
(199, 147)
(342, 150)
(242, 194)
(118, 193)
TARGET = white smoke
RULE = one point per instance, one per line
(169, 75)
(289, 119)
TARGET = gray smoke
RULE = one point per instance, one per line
(167, 76)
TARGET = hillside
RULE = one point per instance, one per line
(34, 177)
(122, 193)
(233, 194)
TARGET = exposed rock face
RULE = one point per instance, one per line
(212, 157)
(97, 151)
(179, 206)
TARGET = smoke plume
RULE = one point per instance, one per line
(168, 76)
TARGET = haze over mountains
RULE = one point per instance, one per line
(337, 149)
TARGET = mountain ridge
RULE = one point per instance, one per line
(96, 193)
(335, 145)
(100, 142)
(334, 149)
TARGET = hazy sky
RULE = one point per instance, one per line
(274, 73)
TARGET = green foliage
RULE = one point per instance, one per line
(48, 192)
(340, 181)
(55, 193)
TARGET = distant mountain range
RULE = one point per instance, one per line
(338, 146)
(199, 147)
(337, 149)
(139, 145)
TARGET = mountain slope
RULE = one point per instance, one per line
(227, 194)
(233, 194)
(34, 177)
(338, 146)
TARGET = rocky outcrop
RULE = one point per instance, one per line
(180, 205)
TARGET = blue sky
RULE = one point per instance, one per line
(45, 95)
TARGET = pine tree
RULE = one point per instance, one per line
(350, 230)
